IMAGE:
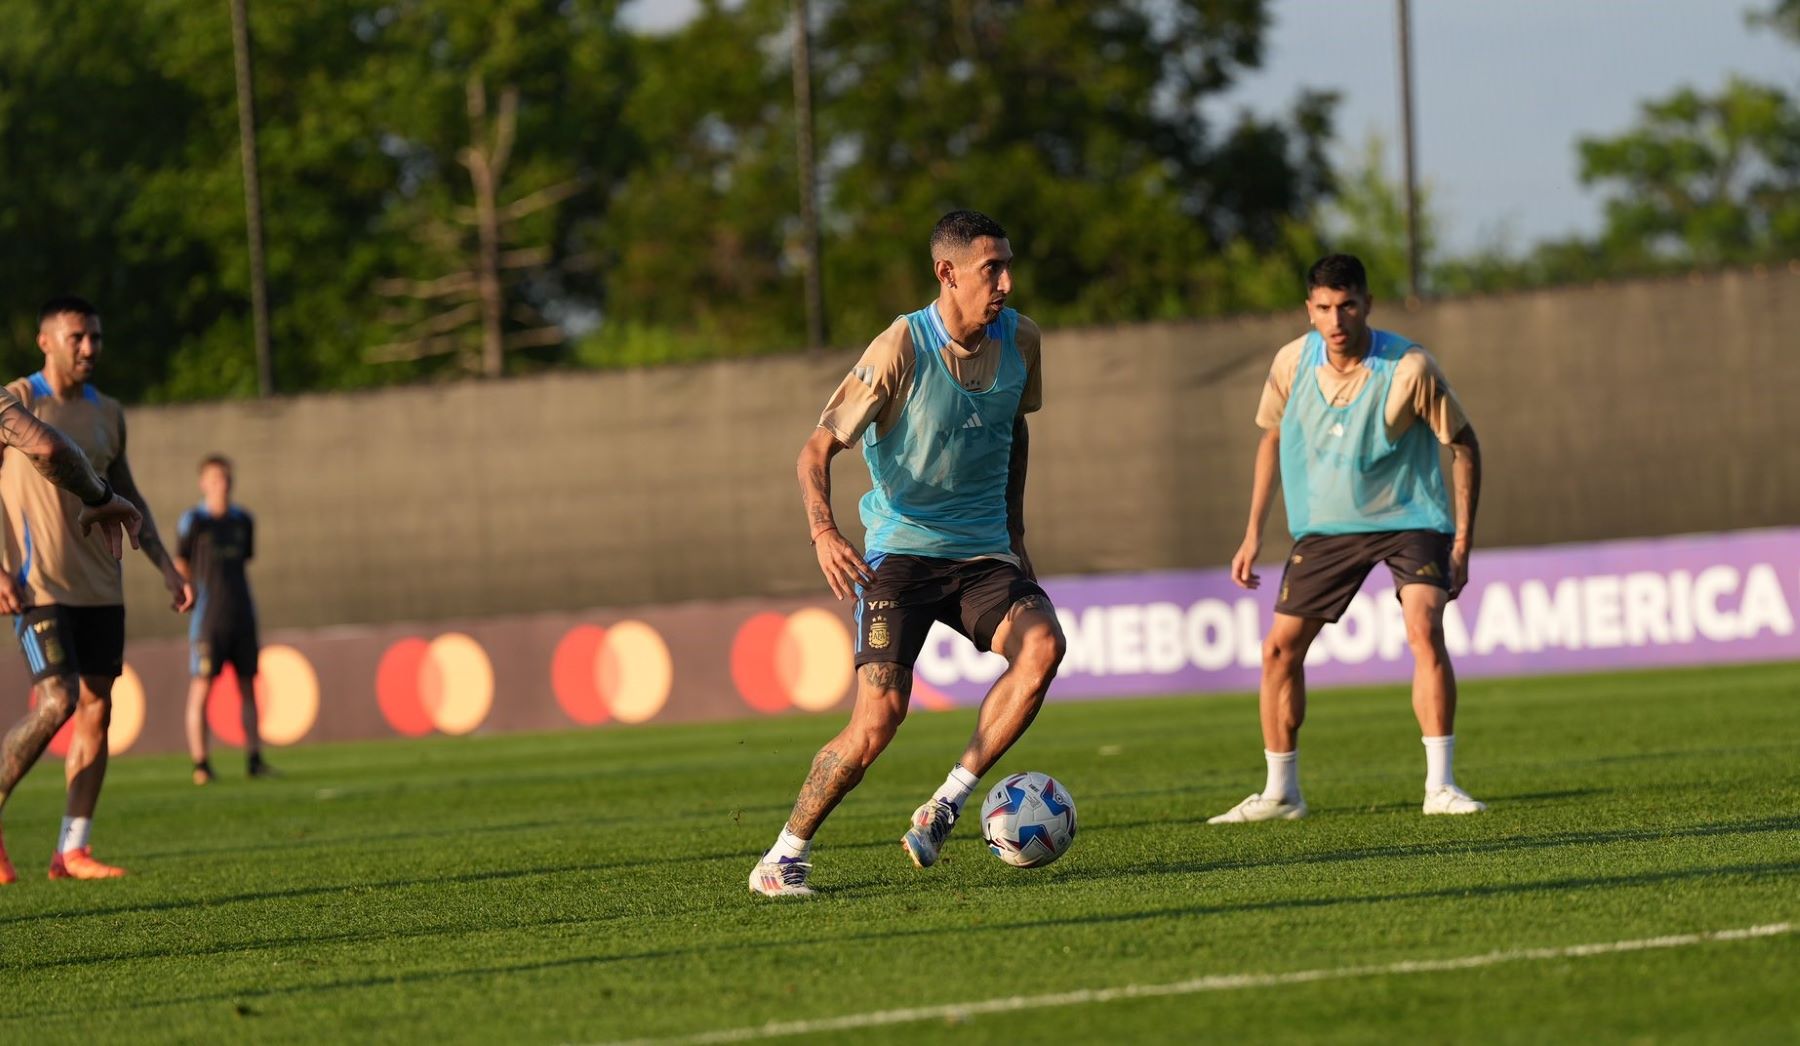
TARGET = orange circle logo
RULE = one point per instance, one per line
(127, 716)
(802, 660)
(446, 684)
(623, 672)
(287, 699)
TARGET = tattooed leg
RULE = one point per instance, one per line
(881, 696)
(1032, 640)
(28, 738)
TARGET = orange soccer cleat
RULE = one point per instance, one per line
(80, 864)
(7, 874)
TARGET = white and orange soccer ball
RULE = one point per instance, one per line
(1028, 820)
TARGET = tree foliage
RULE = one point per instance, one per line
(662, 176)
(1079, 124)
(118, 135)
(1702, 179)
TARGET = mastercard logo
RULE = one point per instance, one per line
(127, 716)
(287, 699)
(445, 684)
(623, 672)
(801, 660)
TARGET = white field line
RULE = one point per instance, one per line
(1214, 983)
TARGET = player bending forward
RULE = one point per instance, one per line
(1349, 415)
(938, 402)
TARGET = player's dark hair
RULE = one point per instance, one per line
(958, 229)
(1340, 272)
(218, 460)
(66, 303)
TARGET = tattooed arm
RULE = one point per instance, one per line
(181, 594)
(61, 462)
(843, 568)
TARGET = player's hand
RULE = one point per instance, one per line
(1243, 565)
(117, 519)
(839, 562)
(1459, 569)
(14, 597)
(181, 594)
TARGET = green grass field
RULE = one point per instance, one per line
(587, 887)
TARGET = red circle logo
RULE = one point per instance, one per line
(802, 660)
(445, 684)
(623, 672)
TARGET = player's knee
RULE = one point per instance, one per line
(869, 736)
(1041, 651)
(56, 699)
(95, 712)
(1283, 653)
(1426, 638)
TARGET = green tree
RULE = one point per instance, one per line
(1703, 179)
(118, 135)
(1079, 124)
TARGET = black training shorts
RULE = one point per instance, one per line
(84, 641)
(210, 651)
(1324, 571)
(896, 610)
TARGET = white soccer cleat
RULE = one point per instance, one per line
(931, 825)
(783, 877)
(1452, 800)
(1256, 808)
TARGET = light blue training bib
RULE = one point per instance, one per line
(940, 473)
(1340, 473)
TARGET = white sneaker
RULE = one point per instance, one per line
(1256, 808)
(1452, 800)
(931, 825)
(783, 877)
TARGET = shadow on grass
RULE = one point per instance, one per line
(1428, 848)
(600, 959)
(1492, 797)
(1443, 848)
(872, 888)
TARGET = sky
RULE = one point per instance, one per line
(1502, 91)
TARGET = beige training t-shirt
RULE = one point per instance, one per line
(876, 389)
(64, 566)
(1419, 392)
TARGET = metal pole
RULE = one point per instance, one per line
(253, 214)
(1406, 145)
(816, 333)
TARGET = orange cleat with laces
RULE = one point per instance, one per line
(7, 874)
(80, 864)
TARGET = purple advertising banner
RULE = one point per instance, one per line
(1690, 600)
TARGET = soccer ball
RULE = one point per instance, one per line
(1028, 820)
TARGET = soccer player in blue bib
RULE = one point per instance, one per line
(1352, 418)
(938, 403)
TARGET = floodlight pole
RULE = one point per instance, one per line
(807, 162)
(253, 210)
(1406, 146)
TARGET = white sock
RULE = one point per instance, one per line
(74, 834)
(790, 846)
(1284, 776)
(957, 788)
(1439, 753)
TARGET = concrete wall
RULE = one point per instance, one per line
(1626, 410)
